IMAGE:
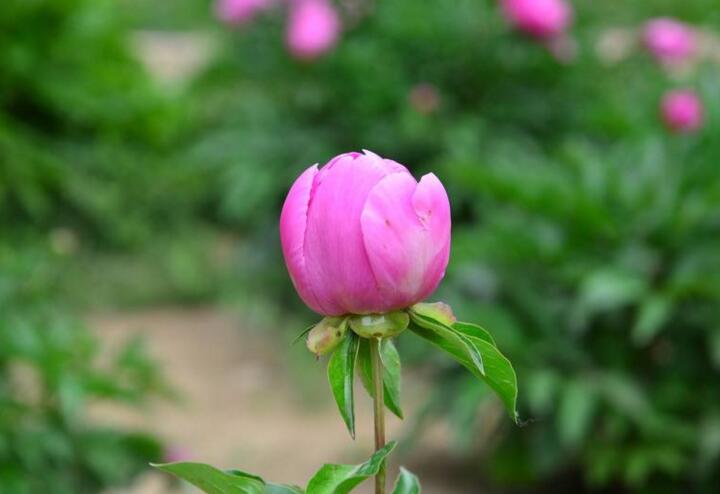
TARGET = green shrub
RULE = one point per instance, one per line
(585, 235)
(51, 368)
(80, 126)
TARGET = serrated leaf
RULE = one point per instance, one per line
(498, 371)
(213, 481)
(341, 479)
(406, 483)
(391, 375)
(341, 372)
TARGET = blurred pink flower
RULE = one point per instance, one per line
(360, 235)
(539, 18)
(669, 40)
(424, 98)
(682, 110)
(313, 29)
(239, 11)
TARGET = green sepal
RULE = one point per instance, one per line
(341, 373)
(341, 479)
(406, 483)
(326, 335)
(384, 325)
(391, 373)
(464, 342)
(440, 311)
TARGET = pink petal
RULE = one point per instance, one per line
(406, 231)
(293, 226)
(338, 267)
(432, 205)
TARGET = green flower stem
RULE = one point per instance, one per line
(379, 402)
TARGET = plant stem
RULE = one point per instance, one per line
(379, 402)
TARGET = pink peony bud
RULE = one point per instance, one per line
(360, 235)
(669, 41)
(239, 11)
(539, 18)
(313, 29)
(682, 110)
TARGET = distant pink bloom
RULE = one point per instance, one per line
(314, 28)
(239, 11)
(360, 235)
(424, 98)
(669, 40)
(682, 110)
(539, 18)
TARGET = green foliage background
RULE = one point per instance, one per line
(585, 236)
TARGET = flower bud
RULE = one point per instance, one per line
(236, 12)
(380, 325)
(682, 111)
(313, 28)
(362, 236)
(326, 335)
(542, 19)
(669, 41)
(440, 311)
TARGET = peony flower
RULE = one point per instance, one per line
(668, 40)
(313, 29)
(360, 235)
(542, 19)
(239, 11)
(682, 110)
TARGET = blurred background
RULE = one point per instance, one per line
(145, 312)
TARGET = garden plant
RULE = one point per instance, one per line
(365, 244)
(577, 140)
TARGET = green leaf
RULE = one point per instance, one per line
(282, 489)
(456, 344)
(653, 313)
(341, 371)
(341, 479)
(498, 371)
(470, 329)
(391, 374)
(406, 483)
(576, 410)
(213, 481)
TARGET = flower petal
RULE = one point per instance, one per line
(339, 268)
(432, 205)
(406, 232)
(293, 226)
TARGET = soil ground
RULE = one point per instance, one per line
(243, 405)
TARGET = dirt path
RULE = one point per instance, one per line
(243, 405)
